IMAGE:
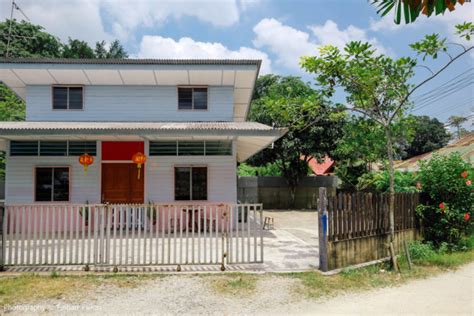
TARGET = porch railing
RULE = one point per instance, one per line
(141, 234)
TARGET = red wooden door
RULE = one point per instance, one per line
(120, 183)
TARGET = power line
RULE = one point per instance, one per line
(454, 84)
(452, 107)
(441, 96)
(10, 35)
(446, 87)
(443, 85)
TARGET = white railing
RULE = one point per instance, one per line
(145, 234)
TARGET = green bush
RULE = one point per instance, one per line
(268, 170)
(380, 182)
(448, 209)
(421, 251)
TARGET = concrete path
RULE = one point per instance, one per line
(293, 243)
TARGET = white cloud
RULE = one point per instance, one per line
(73, 18)
(330, 34)
(128, 15)
(248, 4)
(289, 44)
(286, 42)
(163, 47)
(84, 19)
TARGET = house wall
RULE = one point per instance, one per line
(222, 177)
(159, 177)
(129, 103)
(20, 179)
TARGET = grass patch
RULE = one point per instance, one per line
(234, 284)
(316, 285)
(31, 287)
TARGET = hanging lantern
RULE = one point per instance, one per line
(139, 159)
(86, 160)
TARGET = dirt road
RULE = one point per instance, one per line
(451, 293)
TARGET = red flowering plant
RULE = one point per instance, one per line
(448, 204)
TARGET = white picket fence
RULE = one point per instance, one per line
(124, 235)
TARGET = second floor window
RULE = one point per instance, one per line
(67, 98)
(192, 98)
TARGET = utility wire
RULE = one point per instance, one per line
(440, 97)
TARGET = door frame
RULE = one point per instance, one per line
(123, 161)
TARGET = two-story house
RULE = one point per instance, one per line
(186, 117)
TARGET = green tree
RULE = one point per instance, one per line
(115, 50)
(378, 86)
(27, 40)
(77, 49)
(363, 145)
(411, 9)
(456, 122)
(429, 134)
(314, 126)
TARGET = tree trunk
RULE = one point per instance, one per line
(391, 171)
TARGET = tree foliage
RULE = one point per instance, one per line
(411, 9)
(363, 145)
(456, 122)
(314, 125)
(31, 40)
(428, 134)
(378, 86)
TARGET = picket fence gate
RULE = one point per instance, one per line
(130, 235)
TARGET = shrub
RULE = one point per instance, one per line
(421, 251)
(380, 182)
(448, 209)
(270, 169)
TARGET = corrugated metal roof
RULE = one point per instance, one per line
(127, 61)
(464, 146)
(132, 128)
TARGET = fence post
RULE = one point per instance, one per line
(3, 246)
(323, 230)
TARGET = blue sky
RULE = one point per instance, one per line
(278, 32)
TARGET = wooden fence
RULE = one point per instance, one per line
(354, 215)
(354, 226)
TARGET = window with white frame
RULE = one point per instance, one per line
(192, 98)
(51, 184)
(190, 183)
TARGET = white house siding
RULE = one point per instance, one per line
(159, 178)
(222, 177)
(20, 179)
(129, 103)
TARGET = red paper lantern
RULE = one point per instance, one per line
(139, 159)
(467, 217)
(86, 160)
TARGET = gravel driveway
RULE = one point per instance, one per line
(451, 293)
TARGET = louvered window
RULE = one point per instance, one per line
(52, 148)
(191, 148)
